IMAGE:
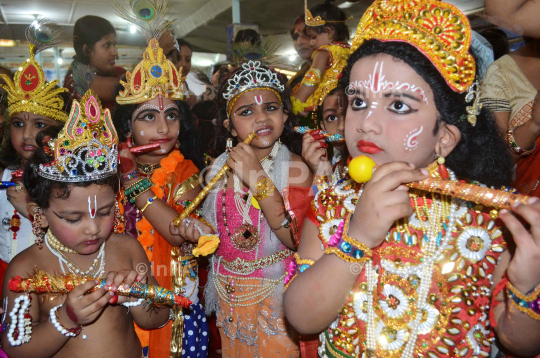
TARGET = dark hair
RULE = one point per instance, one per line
(8, 155)
(498, 40)
(182, 42)
(190, 145)
(299, 19)
(337, 18)
(40, 189)
(247, 35)
(88, 30)
(289, 137)
(481, 154)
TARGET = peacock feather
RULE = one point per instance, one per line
(264, 53)
(83, 76)
(44, 34)
(149, 16)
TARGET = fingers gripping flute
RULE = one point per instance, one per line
(361, 169)
(42, 282)
(207, 188)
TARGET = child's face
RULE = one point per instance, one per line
(391, 113)
(333, 114)
(24, 128)
(156, 121)
(84, 220)
(318, 40)
(258, 111)
(103, 55)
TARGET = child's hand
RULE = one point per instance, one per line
(244, 162)
(384, 200)
(524, 269)
(190, 232)
(314, 153)
(18, 197)
(128, 161)
(80, 308)
(124, 278)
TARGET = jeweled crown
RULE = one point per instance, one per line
(253, 75)
(440, 30)
(86, 148)
(310, 20)
(28, 92)
(154, 75)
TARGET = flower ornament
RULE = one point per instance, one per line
(329, 228)
(396, 303)
(473, 243)
(360, 306)
(388, 338)
(430, 317)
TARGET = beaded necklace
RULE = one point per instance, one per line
(435, 245)
(147, 169)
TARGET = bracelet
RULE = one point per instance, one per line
(127, 177)
(137, 189)
(68, 332)
(20, 321)
(529, 304)
(132, 186)
(263, 184)
(286, 223)
(148, 202)
(264, 188)
(296, 266)
(134, 303)
(204, 221)
(513, 145)
(346, 247)
(312, 77)
(265, 193)
(134, 196)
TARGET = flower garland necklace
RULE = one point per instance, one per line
(159, 178)
(433, 250)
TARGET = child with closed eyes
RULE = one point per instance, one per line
(400, 272)
(72, 180)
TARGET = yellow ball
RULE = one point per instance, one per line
(361, 169)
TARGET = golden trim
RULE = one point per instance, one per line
(187, 185)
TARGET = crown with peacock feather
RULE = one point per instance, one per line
(86, 148)
(28, 92)
(155, 74)
(439, 30)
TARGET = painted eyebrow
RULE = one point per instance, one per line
(271, 102)
(244, 106)
(402, 94)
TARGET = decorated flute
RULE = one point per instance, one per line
(144, 148)
(42, 282)
(177, 220)
(6, 184)
(330, 138)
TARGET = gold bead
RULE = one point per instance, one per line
(440, 160)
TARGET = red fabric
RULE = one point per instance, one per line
(494, 303)
(3, 269)
(308, 348)
(297, 202)
(528, 173)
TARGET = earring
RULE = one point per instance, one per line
(37, 230)
(118, 218)
(177, 145)
(473, 95)
(229, 145)
(443, 171)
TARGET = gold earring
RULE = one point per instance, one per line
(37, 230)
(229, 145)
(443, 171)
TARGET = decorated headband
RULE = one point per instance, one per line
(317, 21)
(253, 76)
(28, 92)
(439, 30)
(86, 148)
(155, 74)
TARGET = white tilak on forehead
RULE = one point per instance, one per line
(377, 83)
(411, 139)
(90, 210)
(259, 100)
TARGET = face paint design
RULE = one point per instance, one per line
(90, 210)
(376, 83)
(26, 117)
(374, 106)
(142, 108)
(259, 100)
(142, 133)
(162, 150)
(411, 142)
(171, 105)
(160, 101)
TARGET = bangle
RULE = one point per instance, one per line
(134, 196)
(137, 183)
(346, 247)
(148, 202)
(513, 145)
(138, 188)
(20, 321)
(262, 184)
(296, 266)
(312, 77)
(68, 332)
(128, 176)
(264, 188)
(529, 304)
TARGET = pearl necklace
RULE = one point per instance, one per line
(20, 321)
(53, 241)
(433, 250)
(94, 271)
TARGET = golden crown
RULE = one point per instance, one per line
(154, 75)
(28, 92)
(86, 148)
(440, 30)
(310, 20)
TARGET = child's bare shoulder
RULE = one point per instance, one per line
(126, 246)
(25, 262)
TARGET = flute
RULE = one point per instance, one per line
(7, 184)
(42, 282)
(144, 148)
(177, 220)
(330, 138)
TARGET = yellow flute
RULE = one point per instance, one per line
(177, 220)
